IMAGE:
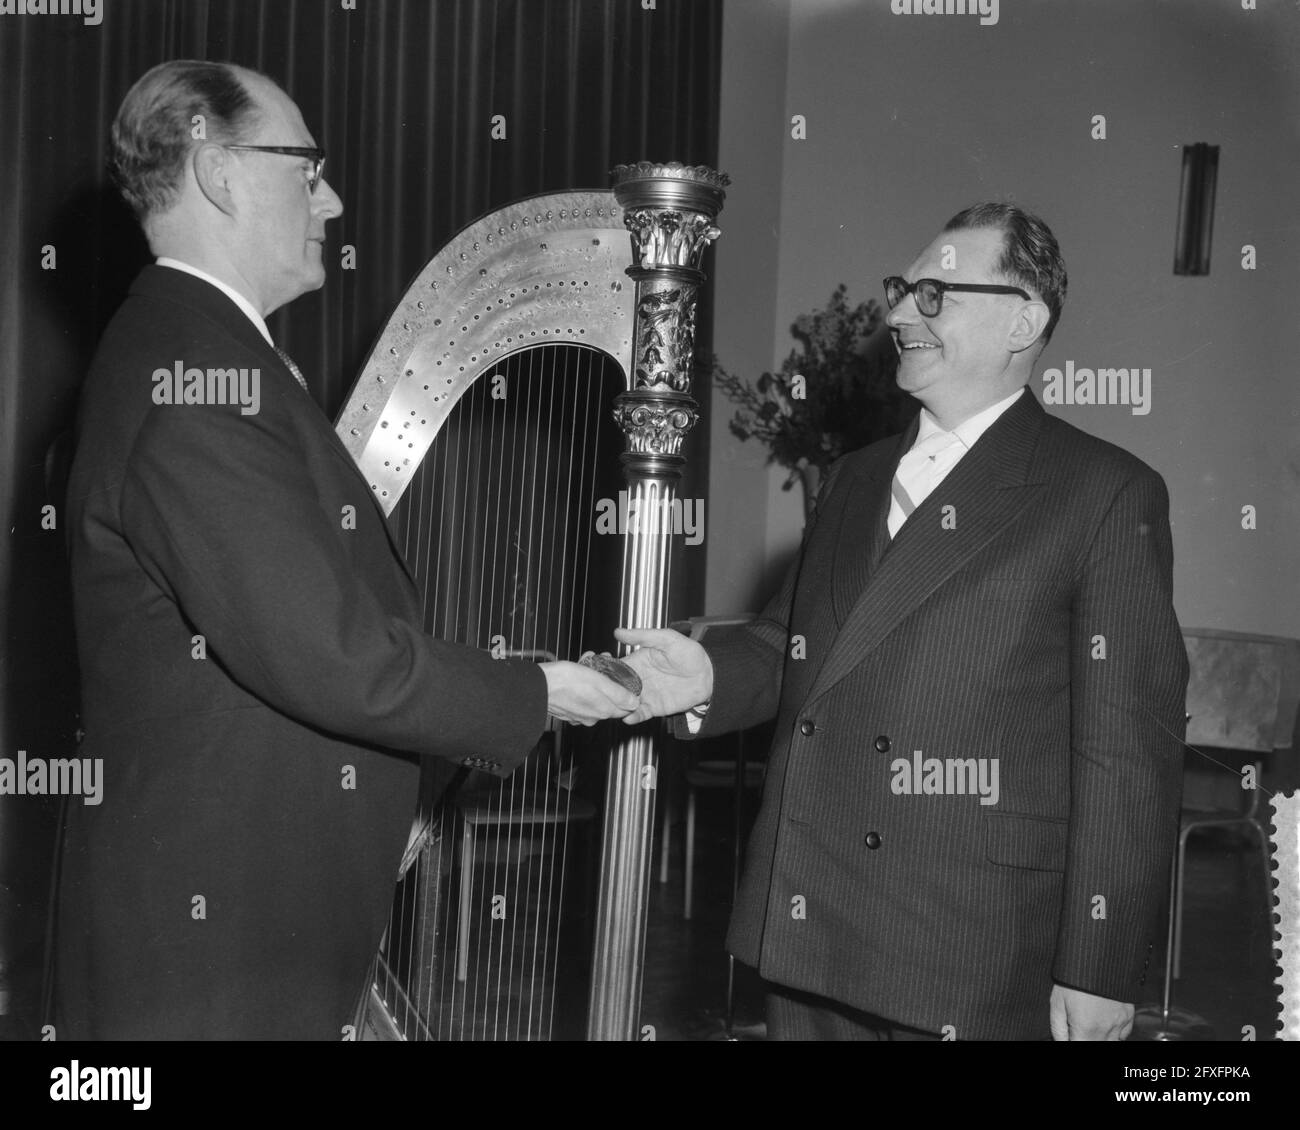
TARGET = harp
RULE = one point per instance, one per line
(489, 420)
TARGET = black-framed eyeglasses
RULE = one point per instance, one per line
(929, 292)
(316, 156)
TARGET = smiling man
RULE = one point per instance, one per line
(255, 676)
(985, 598)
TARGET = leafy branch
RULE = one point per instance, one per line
(835, 394)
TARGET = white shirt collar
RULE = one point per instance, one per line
(969, 430)
(229, 291)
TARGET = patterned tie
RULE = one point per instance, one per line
(919, 472)
(297, 372)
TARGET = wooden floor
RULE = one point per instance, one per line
(1227, 970)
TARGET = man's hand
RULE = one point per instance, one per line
(1076, 1015)
(675, 671)
(578, 694)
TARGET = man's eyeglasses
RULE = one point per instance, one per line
(929, 292)
(316, 156)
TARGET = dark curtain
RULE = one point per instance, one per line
(402, 94)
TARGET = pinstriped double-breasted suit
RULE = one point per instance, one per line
(1023, 613)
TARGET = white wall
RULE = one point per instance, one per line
(911, 118)
(746, 266)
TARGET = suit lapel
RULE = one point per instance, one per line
(986, 490)
(864, 527)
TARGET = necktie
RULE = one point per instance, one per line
(297, 372)
(919, 472)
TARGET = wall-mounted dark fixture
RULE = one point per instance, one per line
(1196, 209)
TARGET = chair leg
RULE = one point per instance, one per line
(1166, 998)
(690, 851)
(1266, 859)
(666, 833)
(1177, 910)
(466, 876)
(1180, 873)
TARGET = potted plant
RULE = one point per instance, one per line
(833, 395)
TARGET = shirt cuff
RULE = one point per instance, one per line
(695, 717)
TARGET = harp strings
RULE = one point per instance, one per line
(497, 529)
(581, 515)
(523, 547)
(538, 638)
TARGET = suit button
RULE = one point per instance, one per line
(806, 727)
(882, 744)
(872, 840)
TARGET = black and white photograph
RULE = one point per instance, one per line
(650, 521)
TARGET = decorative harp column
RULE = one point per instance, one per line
(669, 210)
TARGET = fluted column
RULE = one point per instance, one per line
(669, 211)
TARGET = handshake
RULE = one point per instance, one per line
(674, 671)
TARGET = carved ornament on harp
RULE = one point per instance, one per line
(669, 238)
(653, 427)
(665, 344)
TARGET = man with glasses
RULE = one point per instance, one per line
(978, 681)
(255, 676)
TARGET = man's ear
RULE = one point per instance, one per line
(1028, 326)
(213, 168)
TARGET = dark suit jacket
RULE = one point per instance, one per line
(1030, 623)
(236, 879)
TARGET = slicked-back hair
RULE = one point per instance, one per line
(153, 132)
(1031, 257)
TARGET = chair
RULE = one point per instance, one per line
(554, 808)
(1242, 695)
(735, 774)
(553, 805)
